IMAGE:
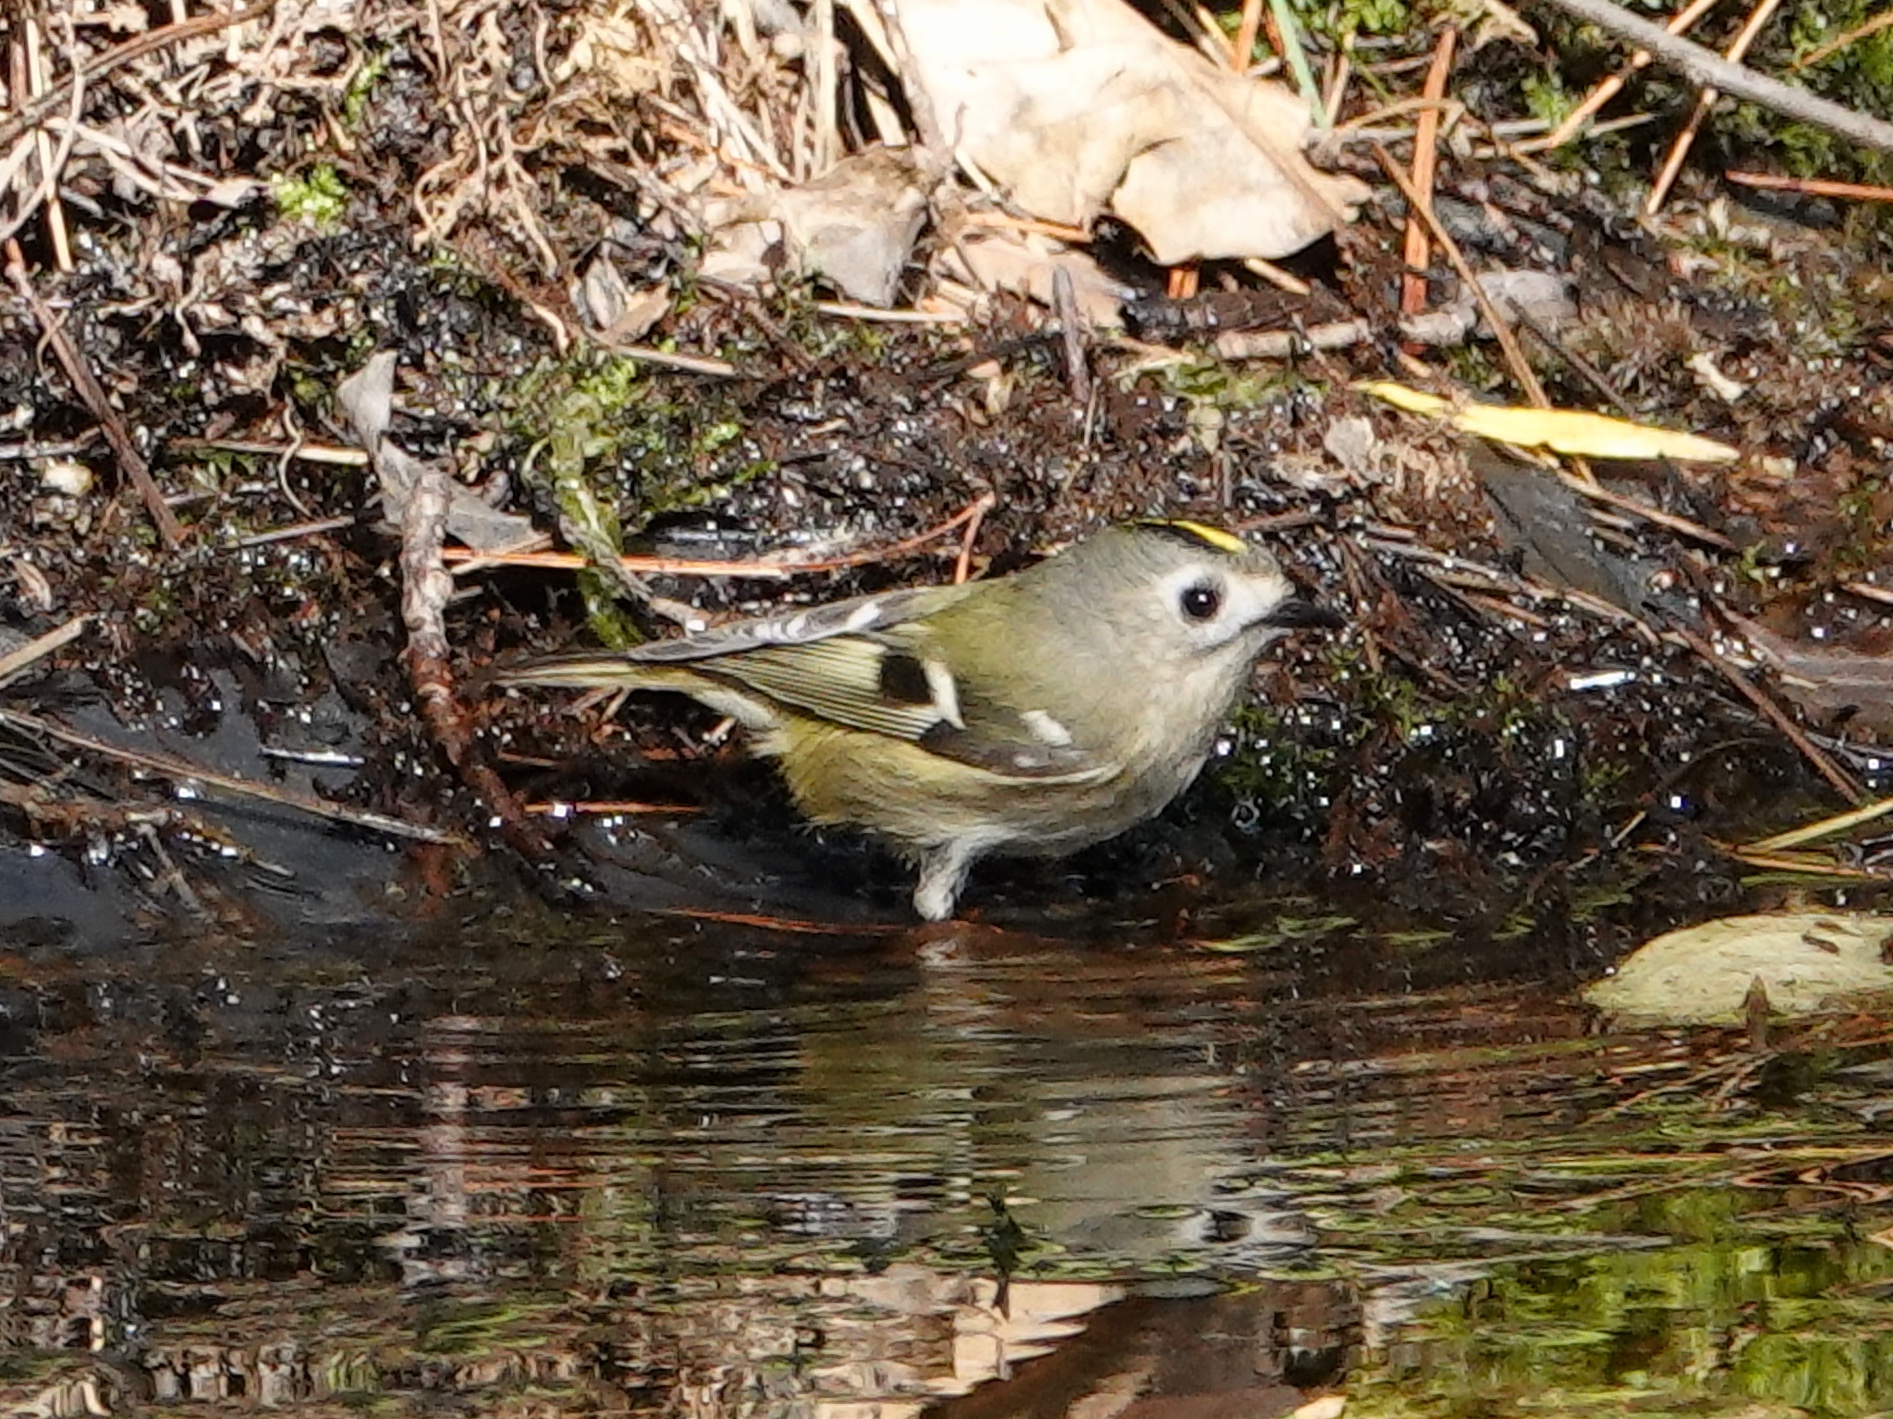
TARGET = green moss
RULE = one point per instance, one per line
(612, 447)
(1473, 366)
(317, 197)
(1546, 98)
(361, 86)
(1862, 510)
(1342, 19)
(1274, 765)
(1226, 386)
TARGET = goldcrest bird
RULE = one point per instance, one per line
(1033, 714)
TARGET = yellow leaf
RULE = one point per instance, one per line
(1573, 431)
(1398, 395)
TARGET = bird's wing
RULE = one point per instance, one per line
(847, 680)
(887, 684)
(863, 664)
(1016, 750)
(858, 616)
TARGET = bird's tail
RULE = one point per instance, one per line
(591, 670)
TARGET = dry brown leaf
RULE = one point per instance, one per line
(1024, 263)
(1079, 107)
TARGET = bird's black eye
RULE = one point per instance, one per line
(1200, 602)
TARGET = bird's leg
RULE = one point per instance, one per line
(943, 870)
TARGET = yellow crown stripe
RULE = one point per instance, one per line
(1209, 536)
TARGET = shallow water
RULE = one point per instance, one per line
(678, 1167)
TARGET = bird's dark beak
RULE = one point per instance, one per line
(1296, 614)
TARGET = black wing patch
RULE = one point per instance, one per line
(904, 679)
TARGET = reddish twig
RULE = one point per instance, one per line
(1709, 69)
(1685, 140)
(770, 569)
(980, 506)
(1813, 186)
(1840, 42)
(1608, 88)
(1501, 328)
(1425, 162)
(1246, 30)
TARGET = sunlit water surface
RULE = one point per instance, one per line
(688, 1168)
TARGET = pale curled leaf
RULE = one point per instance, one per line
(1703, 974)
(367, 398)
(1574, 431)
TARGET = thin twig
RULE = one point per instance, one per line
(767, 569)
(1824, 828)
(671, 359)
(1807, 866)
(1706, 535)
(785, 924)
(1276, 276)
(1812, 186)
(306, 452)
(1501, 328)
(426, 588)
(196, 774)
(37, 109)
(1823, 764)
(822, 83)
(1867, 591)
(51, 164)
(1840, 42)
(1246, 31)
(86, 385)
(595, 808)
(848, 310)
(1608, 88)
(1072, 331)
(22, 658)
(1709, 69)
(1679, 150)
(467, 559)
(300, 529)
(981, 505)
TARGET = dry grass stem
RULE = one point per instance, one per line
(1709, 69)
(1502, 331)
(1673, 163)
(18, 661)
(1608, 89)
